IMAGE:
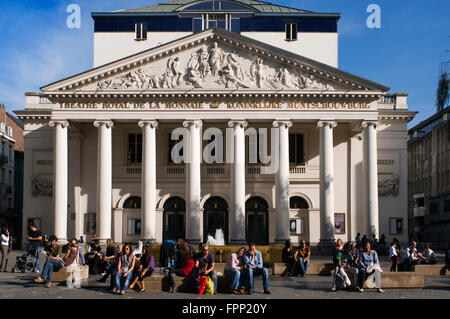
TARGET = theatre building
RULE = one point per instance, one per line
(99, 145)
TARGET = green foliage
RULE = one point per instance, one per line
(442, 94)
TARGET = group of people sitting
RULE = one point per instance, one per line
(359, 261)
(242, 266)
(406, 260)
(296, 259)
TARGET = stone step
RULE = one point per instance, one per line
(315, 268)
(62, 274)
(432, 270)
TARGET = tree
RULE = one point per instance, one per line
(442, 92)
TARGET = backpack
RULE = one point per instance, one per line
(201, 284)
(209, 286)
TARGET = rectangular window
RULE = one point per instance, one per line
(134, 154)
(396, 226)
(434, 208)
(134, 226)
(141, 31)
(3, 126)
(222, 21)
(90, 223)
(291, 31)
(420, 202)
(296, 149)
(447, 205)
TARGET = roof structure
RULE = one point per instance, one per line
(173, 6)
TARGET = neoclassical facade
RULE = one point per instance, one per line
(104, 141)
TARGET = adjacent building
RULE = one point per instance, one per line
(11, 136)
(182, 79)
(429, 180)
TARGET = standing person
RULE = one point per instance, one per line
(254, 262)
(287, 257)
(303, 257)
(358, 239)
(185, 266)
(5, 247)
(393, 254)
(368, 264)
(204, 263)
(145, 269)
(382, 242)
(71, 261)
(235, 268)
(428, 256)
(35, 239)
(54, 252)
(125, 268)
(355, 252)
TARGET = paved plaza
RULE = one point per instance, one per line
(21, 285)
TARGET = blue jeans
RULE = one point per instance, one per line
(257, 272)
(81, 256)
(127, 281)
(49, 265)
(238, 278)
(303, 265)
(37, 265)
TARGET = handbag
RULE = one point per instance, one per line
(201, 284)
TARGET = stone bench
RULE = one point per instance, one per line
(315, 268)
(432, 270)
(62, 274)
(393, 280)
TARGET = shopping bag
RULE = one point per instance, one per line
(201, 284)
(209, 286)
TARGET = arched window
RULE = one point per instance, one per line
(174, 224)
(133, 202)
(215, 216)
(296, 202)
(257, 221)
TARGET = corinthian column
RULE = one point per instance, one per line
(326, 183)
(370, 177)
(282, 182)
(60, 179)
(104, 180)
(238, 183)
(148, 214)
(193, 181)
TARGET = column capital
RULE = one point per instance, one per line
(152, 123)
(365, 124)
(241, 123)
(196, 123)
(63, 123)
(331, 124)
(108, 123)
(278, 123)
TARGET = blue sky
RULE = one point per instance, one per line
(37, 48)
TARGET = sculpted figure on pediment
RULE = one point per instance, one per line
(235, 66)
(228, 79)
(193, 77)
(310, 82)
(204, 67)
(216, 57)
(284, 77)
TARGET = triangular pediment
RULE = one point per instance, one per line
(214, 60)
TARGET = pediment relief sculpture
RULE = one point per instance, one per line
(215, 67)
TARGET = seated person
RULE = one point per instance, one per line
(411, 257)
(204, 263)
(428, 256)
(368, 264)
(287, 257)
(235, 268)
(145, 268)
(185, 264)
(254, 262)
(94, 257)
(339, 271)
(108, 260)
(53, 262)
(303, 257)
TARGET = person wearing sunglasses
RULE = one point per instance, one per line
(125, 269)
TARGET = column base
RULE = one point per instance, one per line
(194, 241)
(237, 242)
(279, 242)
(326, 246)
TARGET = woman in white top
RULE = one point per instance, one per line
(5, 247)
(428, 256)
(393, 256)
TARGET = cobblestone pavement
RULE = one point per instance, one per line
(21, 285)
